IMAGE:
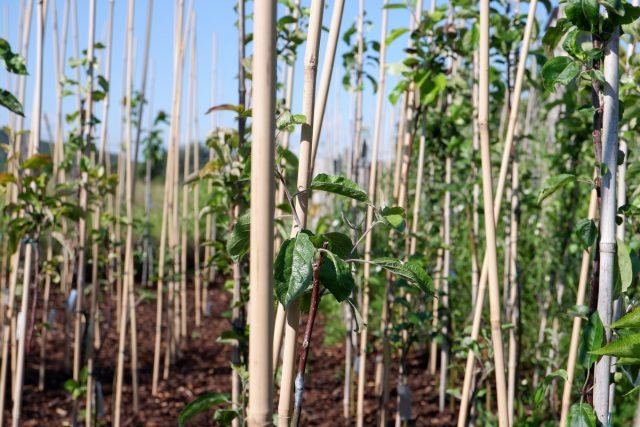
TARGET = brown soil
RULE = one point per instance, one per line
(203, 367)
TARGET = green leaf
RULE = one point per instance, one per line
(238, 242)
(395, 6)
(201, 404)
(104, 84)
(583, 13)
(37, 161)
(592, 338)
(629, 320)
(553, 184)
(338, 243)
(624, 265)
(581, 415)
(627, 346)
(293, 269)
(561, 69)
(224, 417)
(587, 232)
(10, 102)
(335, 275)
(394, 34)
(411, 271)
(338, 185)
(553, 35)
(360, 325)
(615, 6)
(14, 63)
(394, 217)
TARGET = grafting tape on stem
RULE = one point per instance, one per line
(608, 247)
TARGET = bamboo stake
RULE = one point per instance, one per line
(491, 255)
(128, 268)
(262, 200)
(210, 220)
(577, 320)
(607, 219)
(373, 180)
(168, 200)
(29, 249)
(15, 257)
(320, 107)
(196, 191)
(513, 303)
(143, 90)
(185, 198)
(59, 67)
(89, 323)
(325, 79)
(477, 316)
(308, 98)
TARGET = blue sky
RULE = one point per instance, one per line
(215, 20)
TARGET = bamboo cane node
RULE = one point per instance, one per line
(607, 247)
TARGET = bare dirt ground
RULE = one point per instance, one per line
(204, 367)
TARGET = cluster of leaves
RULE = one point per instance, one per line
(15, 64)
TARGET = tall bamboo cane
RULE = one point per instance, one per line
(308, 98)
(577, 320)
(34, 145)
(477, 316)
(320, 107)
(608, 210)
(490, 232)
(197, 278)
(262, 200)
(373, 179)
(128, 265)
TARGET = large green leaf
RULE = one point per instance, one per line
(587, 232)
(201, 404)
(627, 346)
(238, 242)
(10, 102)
(615, 6)
(561, 69)
(581, 415)
(293, 269)
(338, 243)
(553, 184)
(335, 275)
(582, 13)
(411, 271)
(624, 265)
(554, 34)
(338, 185)
(592, 336)
(629, 320)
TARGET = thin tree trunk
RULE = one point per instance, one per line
(446, 265)
(607, 219)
